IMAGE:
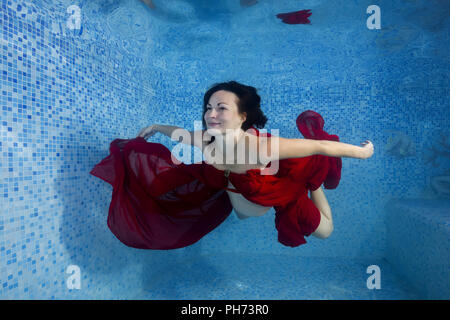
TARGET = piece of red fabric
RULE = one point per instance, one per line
(158, 204)
(295, 17)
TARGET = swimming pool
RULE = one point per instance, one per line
(78, 74)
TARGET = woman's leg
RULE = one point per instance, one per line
(325, 227)
(241, 216)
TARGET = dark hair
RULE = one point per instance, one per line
(248, 101)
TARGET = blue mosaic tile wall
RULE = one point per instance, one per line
(419, 245)
(67, 90)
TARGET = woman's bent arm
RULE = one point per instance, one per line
(183, 136)
(175, 133)
(166, 129)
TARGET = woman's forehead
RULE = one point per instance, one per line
(223, 96)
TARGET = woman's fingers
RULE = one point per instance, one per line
(147, 132)
(143, 133)
(368, 149)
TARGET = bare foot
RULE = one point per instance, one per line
(248, 3)
(149, 3)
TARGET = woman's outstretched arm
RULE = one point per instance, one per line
(340, 149)
(299, 148)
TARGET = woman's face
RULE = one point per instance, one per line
(222, 112)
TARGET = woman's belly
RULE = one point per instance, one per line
(243, 206)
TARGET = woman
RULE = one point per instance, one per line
(160, 204)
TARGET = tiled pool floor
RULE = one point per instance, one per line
(272, 277)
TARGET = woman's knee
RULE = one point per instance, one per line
(241, 216)
(325, 228)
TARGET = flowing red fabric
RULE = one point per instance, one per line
(295, 17)
(159, 204)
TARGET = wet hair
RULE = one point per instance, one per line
(248, 101)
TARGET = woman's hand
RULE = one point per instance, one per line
(367, 149)
(147, 132)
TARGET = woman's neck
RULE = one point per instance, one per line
(232, 136)
(228, 139)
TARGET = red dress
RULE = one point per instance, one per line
(295, 17)
(157, 204)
